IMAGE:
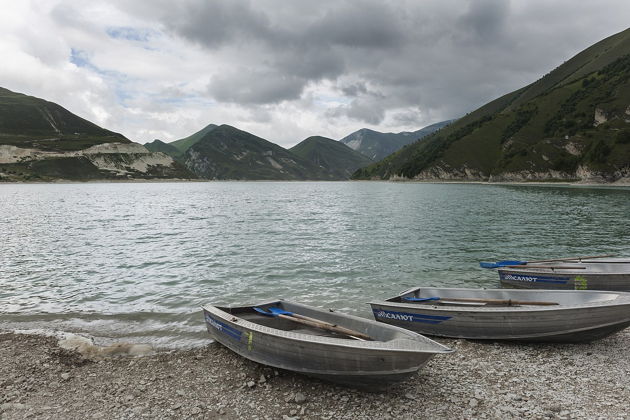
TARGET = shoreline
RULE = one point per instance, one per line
(479, 380)
(616, 184)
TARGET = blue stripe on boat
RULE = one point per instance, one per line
(224, 328)
(405, 316)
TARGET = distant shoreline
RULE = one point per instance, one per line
(622, 184)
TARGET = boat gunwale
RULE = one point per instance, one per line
(534, 336)
(334, 341)
(563, 271)
(622, 299)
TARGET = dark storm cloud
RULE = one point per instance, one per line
(253, 86)
(354, 89)
(216, 23)
(444, 58)
(357, 25)
(486, 19)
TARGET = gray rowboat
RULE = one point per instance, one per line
(579, 316)
(582, 275)
(394, 354)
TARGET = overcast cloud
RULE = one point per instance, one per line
(286, 70)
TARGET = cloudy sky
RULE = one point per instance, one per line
(288, 69)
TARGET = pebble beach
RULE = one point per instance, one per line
(41, 380)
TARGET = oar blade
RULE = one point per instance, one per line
(263, 312)
(278, 311)
(501, 263)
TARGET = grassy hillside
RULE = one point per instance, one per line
(159, 146)
(335, 157)
(29, 122)
(177, 149)
(228, 153)
(571, 124)
(184, 144)
(42, 141)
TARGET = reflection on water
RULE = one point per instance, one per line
(138, 260)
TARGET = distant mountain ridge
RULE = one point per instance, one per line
(225, 152)
(336, 158)
(376, 145)
(573, 124)
(228, 153)
(42, 141)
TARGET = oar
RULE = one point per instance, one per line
(573, 258)
(505, 263)
(312, 322)
(501, 263)
(473, 300)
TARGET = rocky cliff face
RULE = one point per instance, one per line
(583, 174)
(103, 161)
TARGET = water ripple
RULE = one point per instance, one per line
(136, 261)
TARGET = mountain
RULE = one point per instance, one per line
(184, 144)
(178, 148)
(226, 152)
(335, 157)
(27, 121)
(573, 124)
(158, 145)
(42, 141)
(377, 145)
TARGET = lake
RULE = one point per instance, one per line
(135, 261)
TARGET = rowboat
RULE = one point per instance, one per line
(559, 316)
(321, 343)
(599, 272)
(613, 275)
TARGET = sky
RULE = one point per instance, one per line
(286, 70)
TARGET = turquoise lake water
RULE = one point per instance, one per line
(135, 261)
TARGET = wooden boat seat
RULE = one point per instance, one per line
(287, 325)
(272, 322)
(451, 303)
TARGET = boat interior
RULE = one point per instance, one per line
(290, 322)
(503, 297)
(598, 267)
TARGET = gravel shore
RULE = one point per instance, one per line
(39, 379)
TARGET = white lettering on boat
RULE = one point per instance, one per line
(520, 278)
(392, 315)
(214, 323)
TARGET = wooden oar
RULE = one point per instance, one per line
(312, 322)
(474, 300)
(552, 267)
(500, 301)
(572, 259)
(506, 263)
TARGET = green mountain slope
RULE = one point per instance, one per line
(377, 145)
(160, 146)
(178, 148)
(26, 121)
(572, 124)
(184, 144)
(42, 141)
(228, 153)
(335, 157)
